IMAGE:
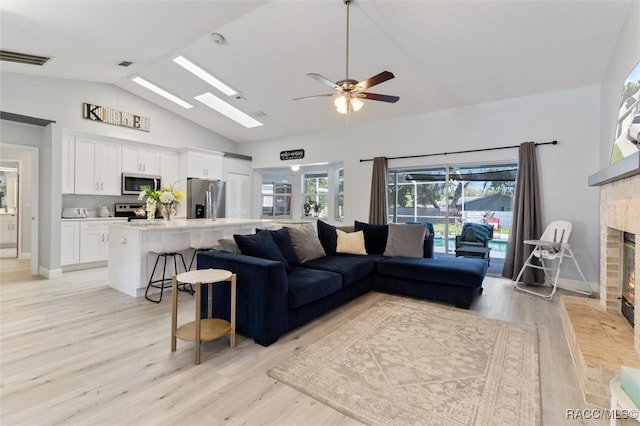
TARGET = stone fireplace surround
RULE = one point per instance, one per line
(599, 337)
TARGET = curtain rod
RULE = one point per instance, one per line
(460, 152)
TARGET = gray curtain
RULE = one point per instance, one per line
(378, 201)
(526, 222)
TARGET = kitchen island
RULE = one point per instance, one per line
(130, 263)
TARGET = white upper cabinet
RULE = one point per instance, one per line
(204, 165)
(140, 160)
(97, 167)
(170, 169)
(68, 164)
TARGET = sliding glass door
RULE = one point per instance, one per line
(449, 196)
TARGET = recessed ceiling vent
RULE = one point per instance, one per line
(23, 58)
(125, 63)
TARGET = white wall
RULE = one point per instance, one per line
(61, 101)
(571, 117)
(624, 58)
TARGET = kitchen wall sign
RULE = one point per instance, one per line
(117, 118)
(294, 154)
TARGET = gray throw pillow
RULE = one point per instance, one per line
(229, 245)
(305, 242)
(405, 240)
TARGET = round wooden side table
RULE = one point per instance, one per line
(202, 330)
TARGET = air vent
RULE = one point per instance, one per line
(23, 58)
(125, 63)
(259, 114)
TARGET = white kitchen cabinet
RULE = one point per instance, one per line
(170, 174)
(140, 160)
(170, 169)
(97, 167)
(68, 164)
(204, 165)
(70, 243)
(8, 229)
(238, 195)
(94, 241)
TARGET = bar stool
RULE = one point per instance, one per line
(204, 241)
(171, 245)
(202, 330)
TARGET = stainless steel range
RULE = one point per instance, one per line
(132, 211)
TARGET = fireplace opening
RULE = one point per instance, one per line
(628, 276)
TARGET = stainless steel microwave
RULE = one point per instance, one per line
(131, 183)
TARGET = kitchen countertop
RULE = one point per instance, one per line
(96, 218)
(176, 223)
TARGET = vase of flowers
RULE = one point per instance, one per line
(166, 197)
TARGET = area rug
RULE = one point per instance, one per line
(410, 362)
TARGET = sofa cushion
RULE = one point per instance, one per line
(375, 236)
(260, 245)
(350, 243)
(351, 267)
(305, 242)
(405, 240)
(283, 240)
(463, 272)
(327, 237)
(307, 285)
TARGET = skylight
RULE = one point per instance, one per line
(228, 110)
(204, 75)
(160, 91)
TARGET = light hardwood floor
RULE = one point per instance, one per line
(76, 352)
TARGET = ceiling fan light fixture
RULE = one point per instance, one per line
(356, 104)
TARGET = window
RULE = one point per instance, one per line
(452, 195)
(339, 211)
(276, 195)
(316, 194)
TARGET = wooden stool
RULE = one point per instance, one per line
(202, 330)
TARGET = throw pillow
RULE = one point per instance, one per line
(428, 225)
(469, 235)
(305, 242)
(350, 243)
(260, 245)
(405, 240)
(227, 244)
(327, 236)
(375, 236)
(283, 241)
(480, 231)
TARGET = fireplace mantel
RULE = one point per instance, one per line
(623, 169)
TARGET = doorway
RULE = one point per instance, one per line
(9, 209)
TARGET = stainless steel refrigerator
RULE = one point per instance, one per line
(205, 199)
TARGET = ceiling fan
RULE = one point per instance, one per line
(348, 92)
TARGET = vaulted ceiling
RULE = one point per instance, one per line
(444, 53)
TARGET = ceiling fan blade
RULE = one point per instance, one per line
(305, 98)
(325, 80)
(378, 97)
(376, 79)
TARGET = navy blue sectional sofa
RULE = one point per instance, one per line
(275, 296)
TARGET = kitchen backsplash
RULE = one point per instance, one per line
(93, 202)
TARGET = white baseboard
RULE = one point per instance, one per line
(49, 273)
(24, 256)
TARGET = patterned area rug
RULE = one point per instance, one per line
(409, 362)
